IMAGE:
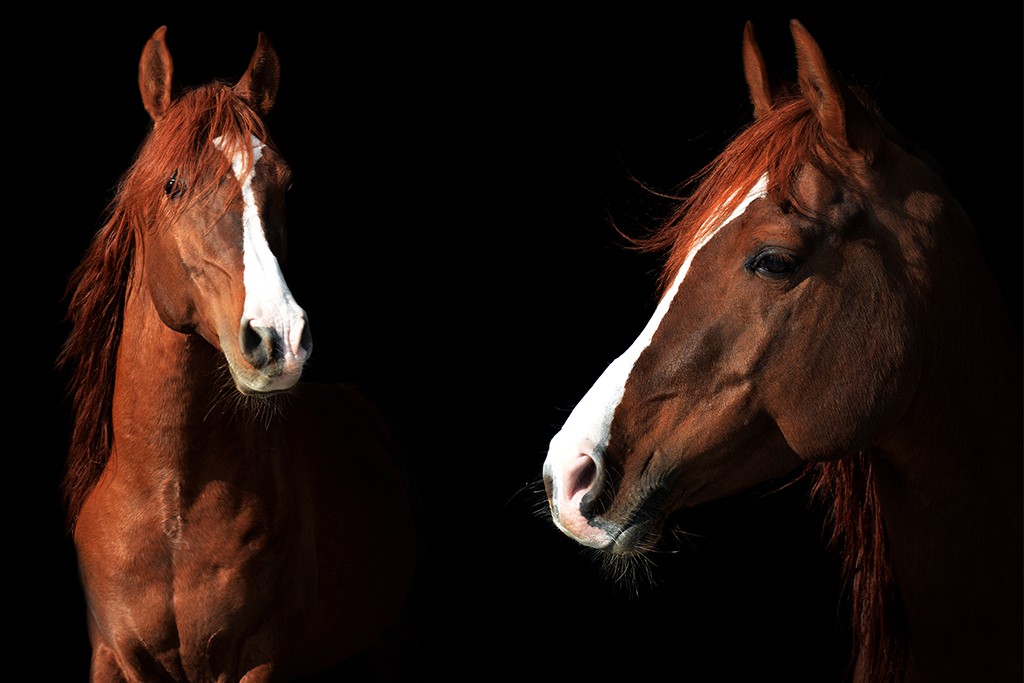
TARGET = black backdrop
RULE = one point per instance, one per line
(459, 180)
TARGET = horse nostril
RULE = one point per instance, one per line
(580, 483)
(306, 340)
(259, 344)
(583, 476)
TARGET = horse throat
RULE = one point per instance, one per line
(179, 421)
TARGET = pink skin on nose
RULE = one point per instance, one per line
(571, 478)
(578, 478)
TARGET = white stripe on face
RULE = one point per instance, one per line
(587, 429)
(268, 301)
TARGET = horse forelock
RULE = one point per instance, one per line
(775, 146)
(179, 145)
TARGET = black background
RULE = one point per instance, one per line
(460, 177)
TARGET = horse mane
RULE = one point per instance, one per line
(178, 146)
(846, 487)
(777, 144)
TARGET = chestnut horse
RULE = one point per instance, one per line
(231, 523)
(825, 309)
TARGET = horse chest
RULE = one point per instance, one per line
(191, 587)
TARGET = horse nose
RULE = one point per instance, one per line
(572, 478)
(263, 345)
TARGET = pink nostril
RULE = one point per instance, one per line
(300, 339)
(574, 474)
(580, 476)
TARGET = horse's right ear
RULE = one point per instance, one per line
(756, 73)
(155, 73)
(843, 117)
(258, 85)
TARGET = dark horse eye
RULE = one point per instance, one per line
(773, 263)
(175, 186)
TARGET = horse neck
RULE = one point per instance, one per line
(948, 483)
(176, 414)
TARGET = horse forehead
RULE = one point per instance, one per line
(236, 149)
(814, 188)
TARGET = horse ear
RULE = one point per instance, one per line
(155, 74)
(842, 115)
(258, 86)
(756, 73)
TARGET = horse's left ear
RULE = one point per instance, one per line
(843, 116)
(756, 73)
(258, 86)
(156, 71)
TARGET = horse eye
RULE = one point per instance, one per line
(773, 264)
(175, 186)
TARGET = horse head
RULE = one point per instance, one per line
(786, 333)
(215, 215)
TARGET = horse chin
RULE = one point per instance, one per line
(642, 530)
(633, 540)
(256, 383)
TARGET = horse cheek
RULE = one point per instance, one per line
(174, 303)
(827, 412)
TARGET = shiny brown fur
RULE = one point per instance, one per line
(877, 354)
(222, 535)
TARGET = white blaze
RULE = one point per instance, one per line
(586, 431)
(268, 301)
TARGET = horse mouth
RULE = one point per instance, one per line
(269, 381)
(642, 530)
(634, 539)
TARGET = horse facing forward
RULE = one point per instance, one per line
(826, 308)
(231, 523)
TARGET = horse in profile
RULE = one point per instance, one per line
(230, 521)
(826, 309)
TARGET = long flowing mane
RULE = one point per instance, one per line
(177, 147)
(776, 145)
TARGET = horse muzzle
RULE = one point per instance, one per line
(273, 355)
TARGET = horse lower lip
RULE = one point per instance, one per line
(625, 542)
(261, 394)
(262, 384)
